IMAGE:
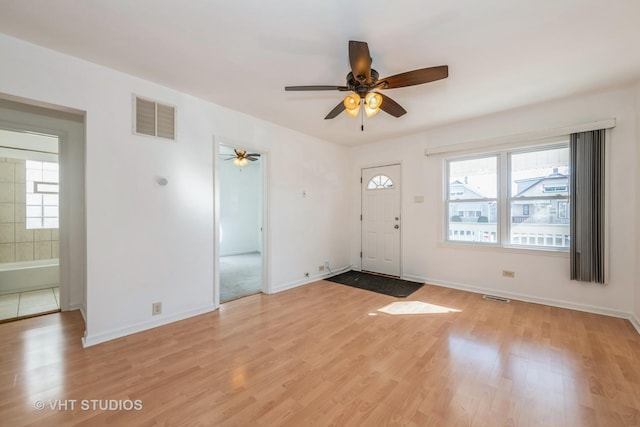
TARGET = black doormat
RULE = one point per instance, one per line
(375, 283)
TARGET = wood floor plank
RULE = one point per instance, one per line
(324, 354)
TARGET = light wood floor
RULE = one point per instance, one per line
(324, 355)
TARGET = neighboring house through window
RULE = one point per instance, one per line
(516, 198)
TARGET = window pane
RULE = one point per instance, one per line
(546, 225)
(50, 211)
(50, 176)
(50, 223)
(473, 179)
(473, 221)
(379, 182)
(34, 199)
(49, 166)
(49, 199)
(34, 211)
(540, 173)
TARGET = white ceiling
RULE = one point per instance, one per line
(502, 54)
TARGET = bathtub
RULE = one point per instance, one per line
(28, 275)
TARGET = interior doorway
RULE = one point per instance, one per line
(42, 214)
(380, 220)
(240, 225)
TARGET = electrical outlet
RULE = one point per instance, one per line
(156, 308)
(507, 273)
(306, 274)
(321, 268)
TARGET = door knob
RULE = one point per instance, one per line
(396, 226)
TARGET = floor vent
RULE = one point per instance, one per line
(154, 119)
(497, 299)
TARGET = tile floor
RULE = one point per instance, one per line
(29, 303)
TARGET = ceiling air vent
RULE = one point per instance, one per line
(154, 119)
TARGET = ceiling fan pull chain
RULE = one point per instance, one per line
(362, 119)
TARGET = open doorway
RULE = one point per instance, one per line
(29, 238)
(42, 217)
(241, 198)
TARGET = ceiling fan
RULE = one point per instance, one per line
(242, 158)
(363, 81)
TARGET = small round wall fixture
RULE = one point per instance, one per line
(162, 181)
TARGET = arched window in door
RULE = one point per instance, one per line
(379, 182)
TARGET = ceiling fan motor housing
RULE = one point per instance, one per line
(362, 87)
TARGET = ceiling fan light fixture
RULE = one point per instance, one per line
(352, 104)
(372, 103)
(240, 161)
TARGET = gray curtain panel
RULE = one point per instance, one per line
(588, 206)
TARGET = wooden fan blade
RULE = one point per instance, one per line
(251, 159)
(252, 155)
(318, 87)
(360, 61)
(337, 110)
(392, 107)
(415, 77)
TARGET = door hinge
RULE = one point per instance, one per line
(360, 180)
(360, 254)
(360, 217)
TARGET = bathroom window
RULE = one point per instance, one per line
(42, 185)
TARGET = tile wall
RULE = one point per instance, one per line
(16, 242)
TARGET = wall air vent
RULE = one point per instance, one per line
(154, 119)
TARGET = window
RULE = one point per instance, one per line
(472, 197)
(379, 182)
(42, 194)
(516, 198)
(563, 210)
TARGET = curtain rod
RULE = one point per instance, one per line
(519, 139)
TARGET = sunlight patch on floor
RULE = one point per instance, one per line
(416, 307)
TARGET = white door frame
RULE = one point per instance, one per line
(58, 121)
(379, 165)
(266, 241)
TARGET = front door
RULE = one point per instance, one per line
(381, 220)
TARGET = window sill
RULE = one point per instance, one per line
(504, 249)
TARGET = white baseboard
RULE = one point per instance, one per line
(526, 298)
(94, 339)
(310, 279)
(635, 322)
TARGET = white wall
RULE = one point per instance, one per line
(240, 207)
(148, 243)
(539, 277)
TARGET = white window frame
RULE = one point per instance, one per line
(448, 200)
(504, 198)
